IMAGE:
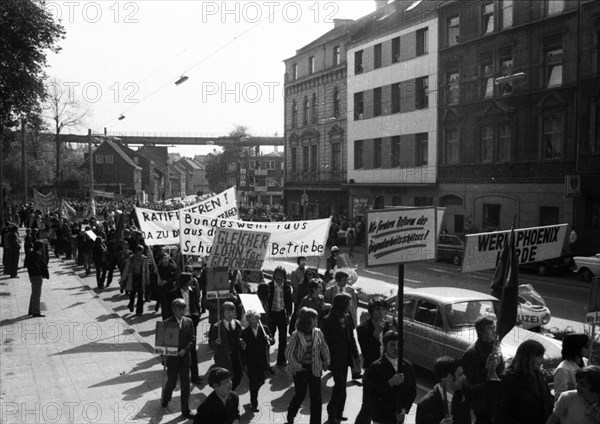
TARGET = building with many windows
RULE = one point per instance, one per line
(392, 113)
(518, 98)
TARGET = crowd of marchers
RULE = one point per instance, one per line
(317, 324)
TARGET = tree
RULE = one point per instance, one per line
(64, 110)
(27, 33)
(217, 163)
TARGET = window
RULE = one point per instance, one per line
(305, 158)
(487, 144)
(337, 56)
(552, 137)
(396, 98)
(377, 56)
(422, 95)
(506, 8)
(549, 215)
(294, 114)
(314, 159)
(358, 62)
(336, 156)
(490, 216)
(504, 143)
(377, 153)
(336, 102)
(306, 110)
(487, 75)
(395, 151)
(314, 108)
(377, 101)
(358, 154)
(108, 158)
(311, 65)
(452, 88)
(487, 17)
(422, 148)
(422, 41)
(554, 6)
(553, 56)
(358, 106)
(592, 212)
(452, 146)
(427, 313)
(99, 158)
(452, 30)
(294, 159)
(396, 50)
(506, 68)
(294, 71)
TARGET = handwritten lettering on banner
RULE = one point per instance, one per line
(533, 244)
(162, 227)
(401, 235)
(288, 239)
(239, 249)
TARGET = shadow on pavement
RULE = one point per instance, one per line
(96, 347)
(14, 320)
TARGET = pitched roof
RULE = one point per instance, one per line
(118, 148)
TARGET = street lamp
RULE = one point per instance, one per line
(181, 80)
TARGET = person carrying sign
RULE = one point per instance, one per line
(280, 310)
(226, 343)
(179, 366)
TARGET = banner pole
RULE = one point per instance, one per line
(400, 314)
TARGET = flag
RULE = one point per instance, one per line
(505, 286)
(67, 211)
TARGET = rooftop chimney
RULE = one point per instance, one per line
(380, 3)
(341, 22)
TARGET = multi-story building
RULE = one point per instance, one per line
(201, 183)
(315, 126)
(518, 114)
(261, 179)
(392, 110)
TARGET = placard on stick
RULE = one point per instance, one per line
(217, 282)
(167, 338)
(239, 249)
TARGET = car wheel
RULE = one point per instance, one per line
(542, 269)
(586, 274)
(456, 260)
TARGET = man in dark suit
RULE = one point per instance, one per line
(256, 341)
(280, 310)
(179, 366)
(338, 330)
(449, 401)
(370, 334)
(391, 386)
(190, 296)
(222, 405)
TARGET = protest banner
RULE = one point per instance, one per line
(289, 239)
(482, 250)
(217, 282)
(162, 227)
(91, 235)
(401, 235)
(44, 202)
(593, 313)
(166, 341)
(238, 249)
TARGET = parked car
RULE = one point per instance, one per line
(450, 247)
(440, 321)
(587, 266)
(546, 267)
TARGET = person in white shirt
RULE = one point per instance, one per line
(574, 353)
(581, 406)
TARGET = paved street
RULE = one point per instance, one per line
(91, 360)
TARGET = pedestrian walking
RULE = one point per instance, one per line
(178, 367)
(136, 279)
(222, 405)
(257, 340)
(225, 341)
(12, 247)
(100, 257)
(280, 310)
(308, 356)
(37, 271)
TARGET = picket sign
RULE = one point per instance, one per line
(162, 227)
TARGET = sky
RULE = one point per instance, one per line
(123, 58)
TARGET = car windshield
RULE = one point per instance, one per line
(464, 314)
